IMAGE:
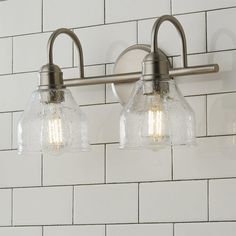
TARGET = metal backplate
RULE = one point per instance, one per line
(130, 60)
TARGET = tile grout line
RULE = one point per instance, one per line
(172, 163)
(173, 229)
(42, 230)
(206, 115)
(105, 72)
(171, 7)
(206, 29)
(42, 170)
(12, 55)
(205, 10)
(208, 200)
(105, 163)
(73, 205)
(73, 53)
(104, 11)
(124, 223)
(108, 63)
(11, 130)
(112, 63)
(119, 183)
(12, 207)
(42, 15)
(138, 203)
(137, 32)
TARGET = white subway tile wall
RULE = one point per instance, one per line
(206, 229)
(37, 206)
(140, 230)
(84, 230)
(180, 191)
(173, 201)
(6, 207)
(79, 13)
(106, 204)
(21, 231)
(222, 194)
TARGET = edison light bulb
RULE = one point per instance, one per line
(56, 130)
(155, 124)
(55, 133)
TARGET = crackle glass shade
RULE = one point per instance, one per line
(157, 120)
(52, 123)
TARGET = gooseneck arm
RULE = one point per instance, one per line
(179, 28)
(75, 39)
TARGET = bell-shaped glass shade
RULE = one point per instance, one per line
(158, 119)
(52, 123)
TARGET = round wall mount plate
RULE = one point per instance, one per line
(129, 61)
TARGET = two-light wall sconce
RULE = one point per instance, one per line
(155, 113)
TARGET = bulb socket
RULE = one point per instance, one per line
(51, 80)
(155, 70)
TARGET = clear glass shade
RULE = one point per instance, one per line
(52, 123)
(157, 120)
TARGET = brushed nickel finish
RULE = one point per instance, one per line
(130, 60)
(135, 76)
(155, 64)
(51, 76)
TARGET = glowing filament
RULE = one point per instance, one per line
(155, 123)
(55, 132)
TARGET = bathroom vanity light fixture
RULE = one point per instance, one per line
(155, 114)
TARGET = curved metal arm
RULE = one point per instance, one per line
(73, 36)
(178, 26)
